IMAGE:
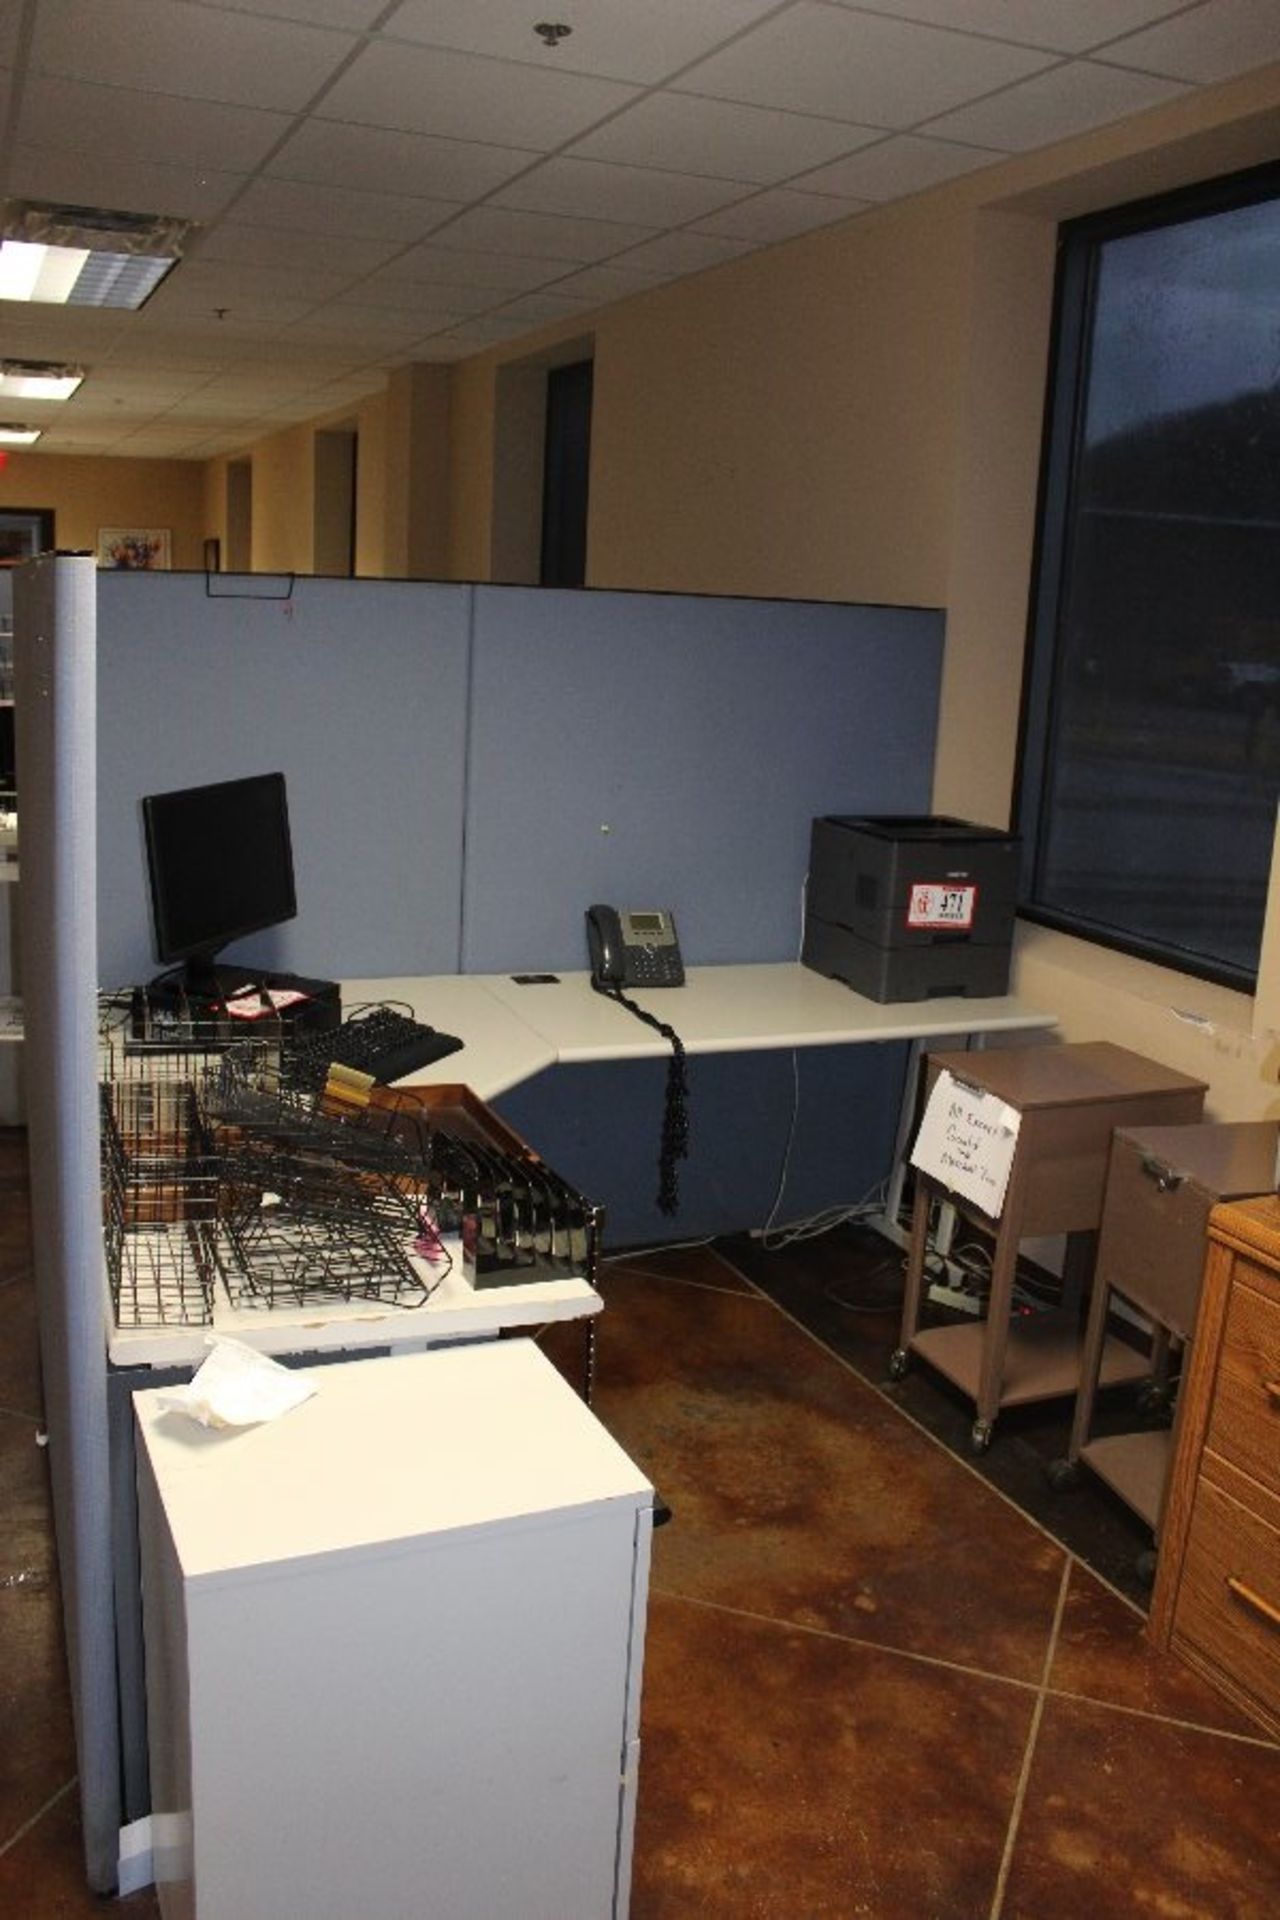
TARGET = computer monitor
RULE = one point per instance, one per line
(220, 865)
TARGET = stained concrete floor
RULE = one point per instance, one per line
(875, 1685)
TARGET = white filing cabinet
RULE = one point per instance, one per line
(394, 1646)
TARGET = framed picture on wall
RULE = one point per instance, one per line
(140, 549)
(24, 532)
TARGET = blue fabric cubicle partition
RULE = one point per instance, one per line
(468, 767)
(670, 750)
(357, 690)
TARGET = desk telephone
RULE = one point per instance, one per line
(633, 947)
(637, 947)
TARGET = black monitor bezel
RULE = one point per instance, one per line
(173, 951)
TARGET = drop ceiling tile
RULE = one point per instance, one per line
(133, 186)
(535, 309)
(136, 387)
(381, 325)
(442, 351)
(355, 15)
(167, 46)
(539, 236)
(672, 254)
(373, 325)
(122, 124)
(614, 282)
(487, 331)
(1054, 106)
(720, 138)
(597, 190)
(776, 215)
(309, 208)
(1210, 43)
(236, 245)
(429, 296)
(62, 333)
(1050, 24)
(859, 67)
(197, 281)
(438, 265)
(464, 98)
(900, 165)
(613, 38)
(379, 160)
(175, 348)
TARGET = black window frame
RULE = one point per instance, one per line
(1066, 392)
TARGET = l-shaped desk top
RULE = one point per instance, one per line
(511, 1031)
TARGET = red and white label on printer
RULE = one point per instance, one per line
(935, 904)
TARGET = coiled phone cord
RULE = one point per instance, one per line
(675, 1110)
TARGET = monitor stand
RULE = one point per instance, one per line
(197, 993)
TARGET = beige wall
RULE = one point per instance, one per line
(86, 493)
(858, 415)
(855, 415)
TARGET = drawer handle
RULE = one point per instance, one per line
(1255, 1601)
(1167, 1178)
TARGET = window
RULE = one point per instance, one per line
(566, 467)
(1151, 730)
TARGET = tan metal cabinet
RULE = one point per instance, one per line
(1070, 1100)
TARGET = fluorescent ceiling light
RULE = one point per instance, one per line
(34, 380)
(11, 436)
(85, 256)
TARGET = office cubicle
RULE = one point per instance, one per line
(469, 767)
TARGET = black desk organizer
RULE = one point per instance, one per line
(217, 1175)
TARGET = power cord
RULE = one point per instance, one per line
(674, 1142)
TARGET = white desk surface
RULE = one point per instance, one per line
(501, 1049)
(511, 1032)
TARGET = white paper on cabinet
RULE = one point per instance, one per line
(966, 1142)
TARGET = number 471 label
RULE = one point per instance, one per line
(937, 905)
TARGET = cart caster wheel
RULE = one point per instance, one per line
(898, 1363)
(1153, 1400)
(980, 1435)
(1145, 1567)
(1062, 1475)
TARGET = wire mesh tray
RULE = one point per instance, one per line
(300, 1229)
(160, 1185)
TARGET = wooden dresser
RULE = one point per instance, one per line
(1217, 1593)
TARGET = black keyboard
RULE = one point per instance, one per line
(383, 1043)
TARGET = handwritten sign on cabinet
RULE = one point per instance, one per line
(966, 1142)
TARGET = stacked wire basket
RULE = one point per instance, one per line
(226, 1176)
(217, 1175)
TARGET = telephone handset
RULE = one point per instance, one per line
(633, 947)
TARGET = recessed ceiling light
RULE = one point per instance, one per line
(38, 380)
(13, 436)
(85, 256)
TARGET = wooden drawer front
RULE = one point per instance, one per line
(1244, 1426)
(1236, 1626)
